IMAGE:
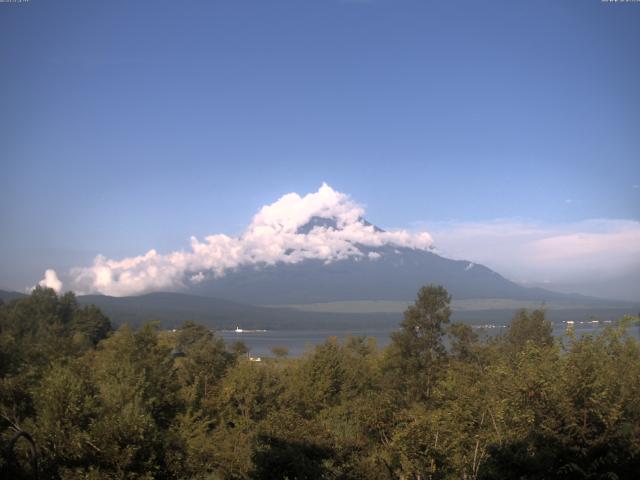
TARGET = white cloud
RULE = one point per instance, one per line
(198, 277)
(51, 280)
(533, 252)
(273, 236)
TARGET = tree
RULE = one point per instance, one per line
(239, 348)
(91, 323)
(463, 341)
(280, 351)
(529, 327)
(289, 446)
(204, 363)
(417, 352)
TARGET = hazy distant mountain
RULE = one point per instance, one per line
(625, 286)
(382, 273)
(6, 295)
(172, 309)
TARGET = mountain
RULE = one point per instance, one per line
(171, 309)
(316, 248)
(6, 295)
(387, 272)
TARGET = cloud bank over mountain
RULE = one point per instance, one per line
(283, 231)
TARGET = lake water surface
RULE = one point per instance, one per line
(298, 341)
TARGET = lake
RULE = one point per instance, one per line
(260, 343)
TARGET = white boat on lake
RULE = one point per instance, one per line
(242, 330)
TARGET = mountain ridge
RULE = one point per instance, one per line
(171, 309)
(387, 271)
(381, 273)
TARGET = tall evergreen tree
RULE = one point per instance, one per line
(417, 351)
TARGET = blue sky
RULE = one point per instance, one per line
(129, 125)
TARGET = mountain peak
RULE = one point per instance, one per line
(317, 222)
(331, 223)
(324, 226)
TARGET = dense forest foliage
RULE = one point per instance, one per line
(437, 403)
